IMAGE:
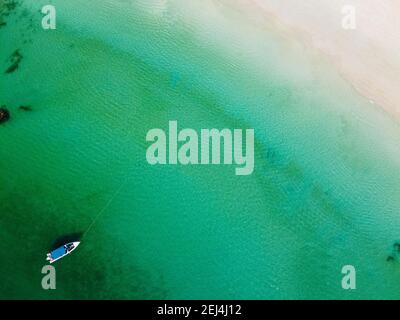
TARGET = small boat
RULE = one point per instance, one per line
(62, 251)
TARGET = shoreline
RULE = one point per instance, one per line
(364, 58)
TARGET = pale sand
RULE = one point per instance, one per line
(368, 57)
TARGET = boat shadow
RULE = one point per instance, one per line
(71, 237)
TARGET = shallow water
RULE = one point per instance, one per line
(324, 192)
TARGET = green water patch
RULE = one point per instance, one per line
(98, 271)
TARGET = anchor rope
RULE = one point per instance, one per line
(115, 194)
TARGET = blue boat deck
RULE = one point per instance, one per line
(57, 253)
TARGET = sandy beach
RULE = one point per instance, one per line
(366, 56)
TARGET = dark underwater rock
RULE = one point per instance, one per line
(25, 108)
(4, 115)
(395, 254)
(7, 7)
(15, 59)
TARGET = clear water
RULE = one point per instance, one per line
(325, 191)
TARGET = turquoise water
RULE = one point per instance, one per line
(324, 192)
